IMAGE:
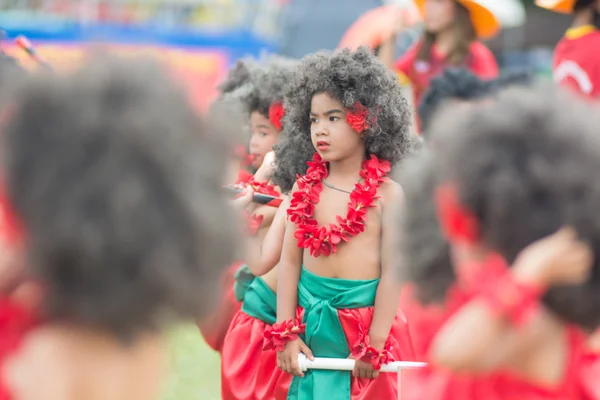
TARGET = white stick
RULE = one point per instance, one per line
(346, 364)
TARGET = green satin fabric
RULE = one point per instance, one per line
(321, 298)
(243, 279)
(260, 302)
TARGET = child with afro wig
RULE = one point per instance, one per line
(346, 125)
(254, 88)
(514, 194)
(246, 371)
(110, 203)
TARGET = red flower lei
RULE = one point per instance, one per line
(322, 240)
(258, 187)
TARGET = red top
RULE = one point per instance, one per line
(15, 323)
(577, 61)
(419, 73)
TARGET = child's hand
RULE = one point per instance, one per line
(560, 258)
(243, 200)
(287, 360)
(364, 370)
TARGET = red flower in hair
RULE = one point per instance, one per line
(11, 229)
(276, 113)
(459, 223)
(358, 117)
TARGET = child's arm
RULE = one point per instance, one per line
(262, 256)
(388, 291)
(480, 339)
(387, 297)
(290, 266)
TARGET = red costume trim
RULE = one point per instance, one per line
(277, 335)
(322, 240)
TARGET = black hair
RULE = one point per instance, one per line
(425, 251)
(452, 84)
(526, 165)
(236, 76)
(462, 84)
(263, 85)
(582, 5)
(350, 77)
(118, 185)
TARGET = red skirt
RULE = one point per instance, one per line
(385, 385)
(214, 328)
(248, 372)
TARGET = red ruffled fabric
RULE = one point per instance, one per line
(248, 372)
(15, 324)
(214, 328)
(424, 321)
(385, 386)
(579, 382)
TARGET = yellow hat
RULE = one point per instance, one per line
(484, 22)
(561, 6)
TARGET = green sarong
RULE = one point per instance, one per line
(260, 302)
(243, 278)
(321, 298)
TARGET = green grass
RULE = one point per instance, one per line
(195, 368)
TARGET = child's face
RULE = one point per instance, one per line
(264, 137)
(331, 135)
(439, 15)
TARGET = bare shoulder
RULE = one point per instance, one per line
(31, 364)
(391, 193)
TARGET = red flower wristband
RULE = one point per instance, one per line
(515, 300)
(363, 351)
(277, 335)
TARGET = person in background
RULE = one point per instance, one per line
(576, 60)
(453, 30)
(461, 87)
(119, 227)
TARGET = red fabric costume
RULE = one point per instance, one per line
(480, 62)
(424, 321)
(248, 372)
(214, 328)
(576, 63)
(579, 382)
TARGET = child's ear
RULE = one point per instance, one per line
(459, 224)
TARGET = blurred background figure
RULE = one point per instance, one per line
(574, 65)
(200, 40)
